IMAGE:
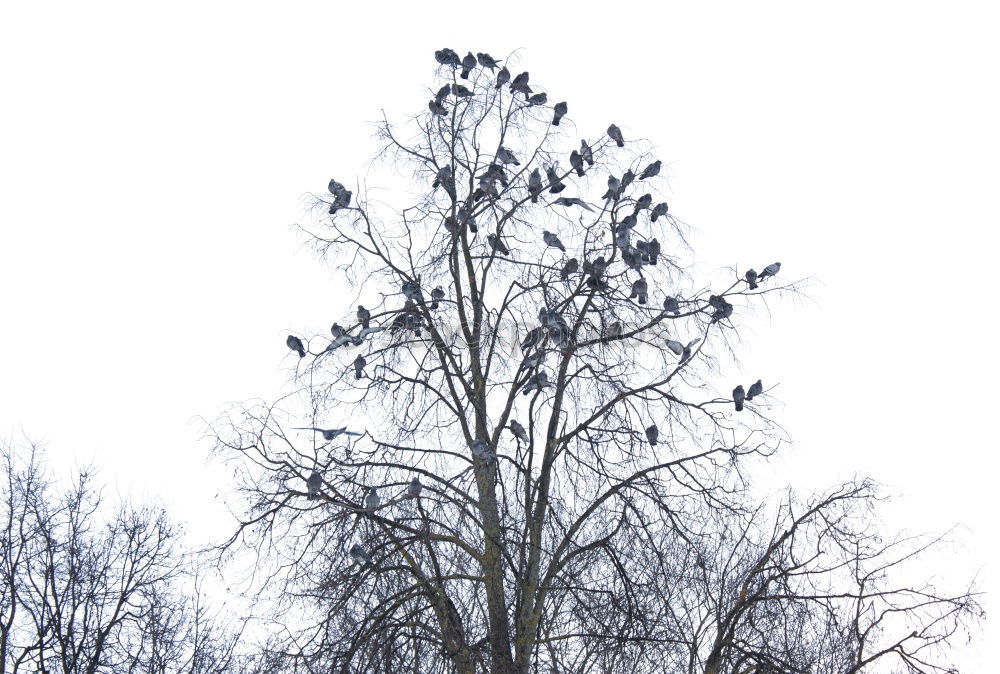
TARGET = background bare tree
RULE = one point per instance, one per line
(91, 587)
(546, 476)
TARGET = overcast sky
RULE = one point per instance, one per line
(154, 157)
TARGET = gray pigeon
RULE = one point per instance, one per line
(576, 161)
(615, 330)
(313, 485)
(751, 277)
(552, 240)
(671, 305)
(411, 290)
(537, 381)
(360, 556)
(535, 185)
(506, 156)
(770, 270)
(337, 330)
(503, 77)
(639, 290)
(627, 178)
(586, 153)
(520, 83)
(447, 57)
(329, 434)
(723, 309)
(468, 63)
(651, 171)
(533, 337)
(560, 111)
(364, 316)
(442, 93)
(461, 91)
(755, 389)
(616, 135)
(498, 245)
(296, 345)
(414, 488)
(659, 210)
(486, 61)
(652, 434)
(372, 501)
(437, 108)
(534, 360)
(572, 201)
(555, 184)
(644, 202)
(518, 431)
(481, 450)
(437, 295)
(614, 188)
(538, 99)
(569, 268)
(359, 366)
(738, 397)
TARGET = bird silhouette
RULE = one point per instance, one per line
(739, 395)
(359, 366)
(414, 488)
(755, 389)
(360, 555)
(313, 485)
(559, 111)
(651, 170)
(770, 270)
(364, 316)
(503, 77)
(571, 267)
(498, 245)
(552, 240)
(486, 61)
(659, 210)
(751, 277)
(468, 63)
(652, 434)
(518, 431)
(616, 135)
(329, 434)
(572, 201)
(295, 344)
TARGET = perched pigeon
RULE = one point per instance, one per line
(576, 161)
(533, 361)
(572, 201)
(644, 202)
(445, 178)
(503, 77)
(627, 179)
(341, 196)
(295, 344)
(360, 556)
(569, 268)
(329, 434)
(616, 135)
(498, 245)
(723, 309)
(738, 397)
(518, 431)
(313, 485)
(538, 99)
(552, 240)
(586, 153)
(337, 330)
(537, 381)
(364, 316)
(555, 184)
(414, 488)
(437, 295)
(682, 350)
(447, 57)
(461, 91)
(369, 331)
(535, 185)
(639, 290)
(520, 83)
(442, 93)
(651, 171)
(751, 277)
(615, 331)
(468, 63)
(560, 111)
(506, 156)
(359, 366)
(372, 500)
(486, 61)
(653, 250)
(671, 305)
(770, 270)
(623, 239)
(652, 434)
(659, 210)
(533, 337)
(614, 188)
(411, 290)
(481, 450)
(755, 389)
(437, 108)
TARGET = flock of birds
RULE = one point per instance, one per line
(552, 325)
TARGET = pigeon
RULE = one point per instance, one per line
(576, 161)
(572, 201)
(437, 295)
(623, 239)
(586, 153)
(372, 500)
(538, 99)
(468, 63)
(723, 309)
(518, 431)
(411, 290)
(537, 381)
(533, 337)
(337, 330)
(520, 83)
(364, 316)
(659, 209)
(329, 434)
(445, 178)
(486, 61)
(503, 77)
(447, 57)
(461, 91)
(295, 344)
(614, 188)
(671, 305)
(369, 331)
(313, 485)
(770, 270)
(639, 291)
(616, 135)
(627, 179)
(755, 389)
(682, 350)
(738, 397)
(437, 108)
(555, 184)
(569, 268)
(653, 250)
(506, 156)
(751, 277)
(552, 240)
(615, 331)
(651, 171)
(481, 451)
(341, 196)
(414, 488)
(498, 245)
(359, 366)
(359, 555)
(560, 111)
(534, 360)
(652, 434)
(644, 202)
(535, 185)
(442, 93)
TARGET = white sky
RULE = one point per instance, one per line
(153, 157)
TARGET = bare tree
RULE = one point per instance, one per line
(550, 472)
(88, 587)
